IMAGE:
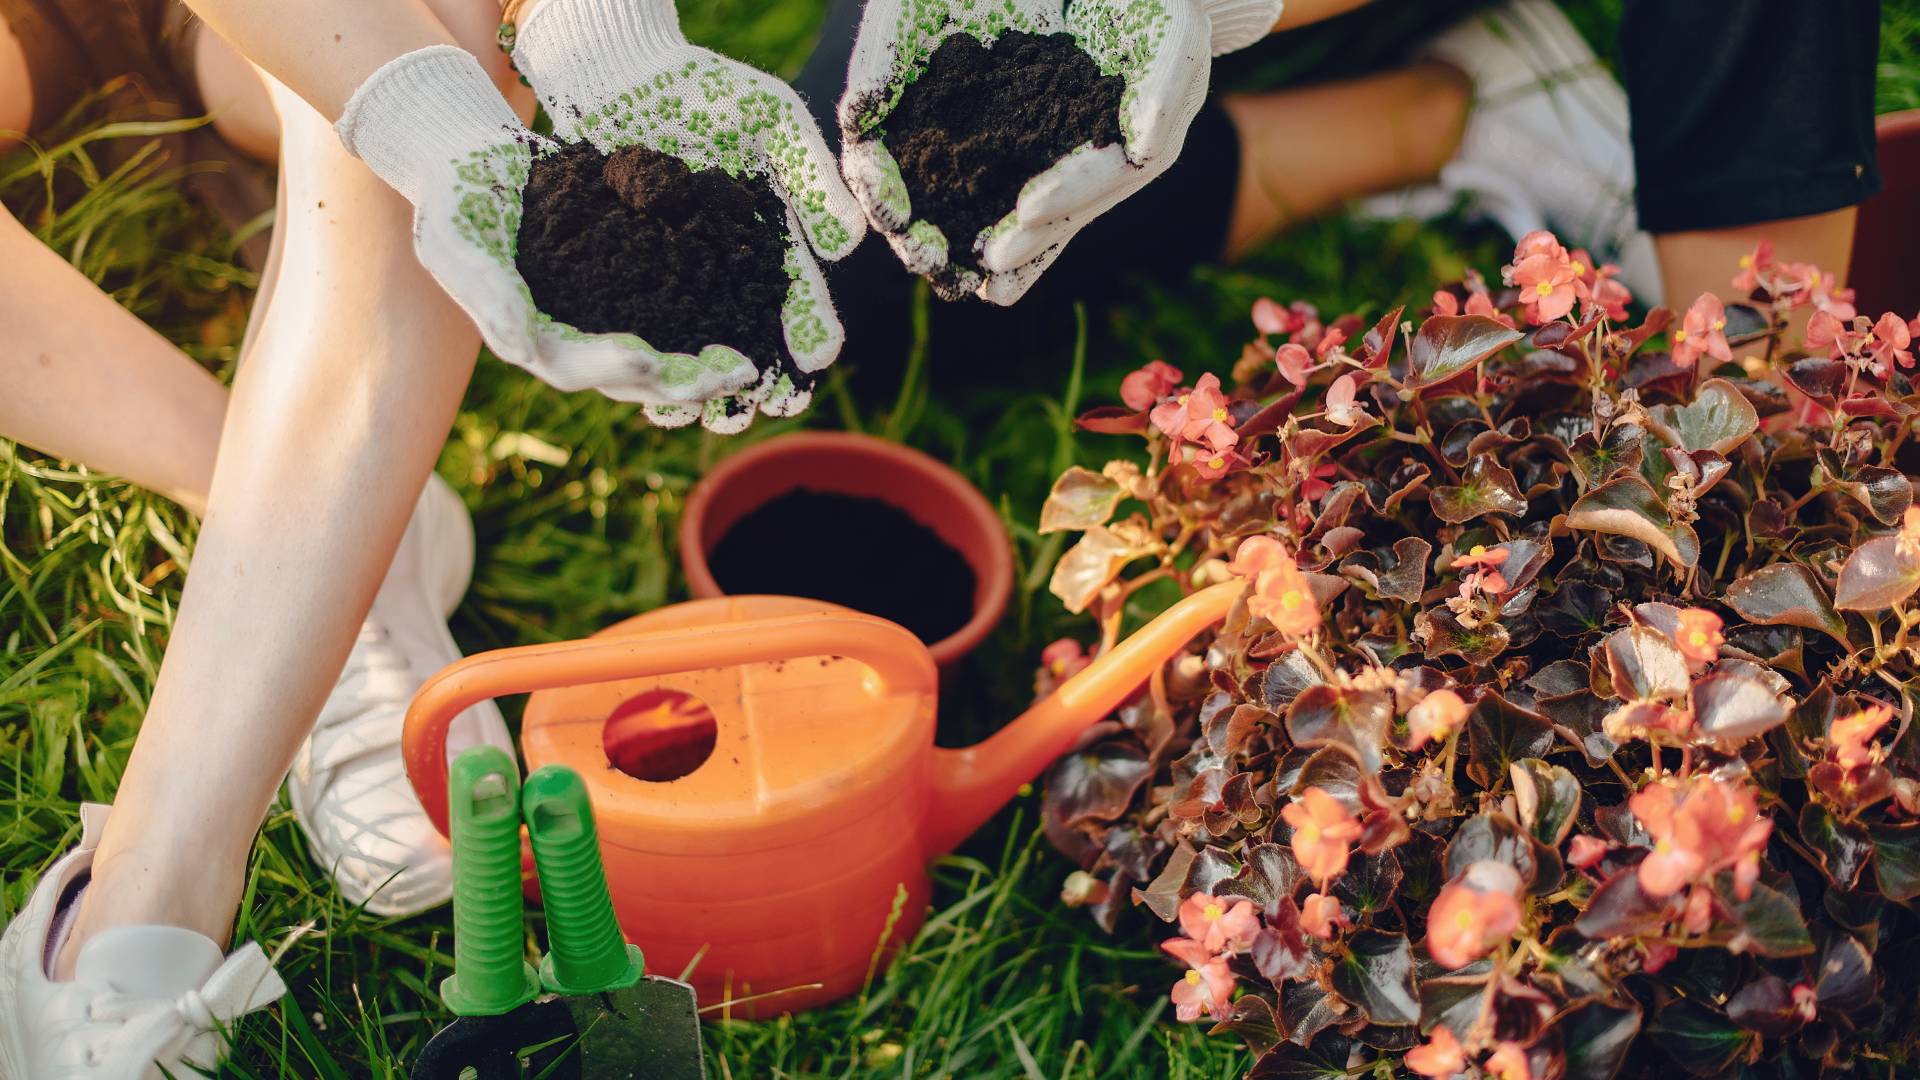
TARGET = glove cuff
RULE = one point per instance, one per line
(585, 53)
(422, 112)
(1239, 23)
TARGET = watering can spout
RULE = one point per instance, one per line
(973, 783)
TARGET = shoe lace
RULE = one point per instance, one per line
(146, 1028)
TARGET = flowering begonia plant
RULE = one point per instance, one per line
(1564, 727)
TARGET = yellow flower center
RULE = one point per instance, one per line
(1661, 847)
(1184, 398)
(1213, 911)
(1477, 550)
(1699, 638)
(1464, 920)
(1679, 335)
(1746, 262)
(1579, 268)
(1719, 324)
(1216, 461)
(1193, 977)
(1220, 414)
(1291, 599)
(1310, 833)
(1545, 288)
(1737, 814)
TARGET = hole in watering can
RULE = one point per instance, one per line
(660, 735)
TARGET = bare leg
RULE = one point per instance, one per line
(1705, 262)
(1307, 150)
(335, 422)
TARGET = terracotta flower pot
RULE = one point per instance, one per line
(927, 491)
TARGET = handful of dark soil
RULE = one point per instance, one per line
(980, 122)
(847, 550)
(639, 243)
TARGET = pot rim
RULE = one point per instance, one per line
(991, 560)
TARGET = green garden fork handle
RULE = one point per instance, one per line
(490, 973)
(587, 953)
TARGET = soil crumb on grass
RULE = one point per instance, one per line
(857, 552)
(980, 122)
(639, 243)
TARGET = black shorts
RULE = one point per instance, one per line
(1747, 111)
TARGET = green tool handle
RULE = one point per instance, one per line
(586, 952)
(491, 975)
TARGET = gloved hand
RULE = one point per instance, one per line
(619, 72)
(435, 128)
(1162, 48)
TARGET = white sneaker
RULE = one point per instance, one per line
(1546, 143)
(143, 998)
(348, 785)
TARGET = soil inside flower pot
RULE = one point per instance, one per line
(980, 122)
(637, 242)
(857, 552)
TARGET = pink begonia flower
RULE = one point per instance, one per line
(1219, 924)
(1435, 717)
(1478, 303)
(1269, 317)
(1342, 409)
(1699, 637)
(1540, 242)
(1890, 340)
(1199, 415)
(1330, 343)
(1824, 331)
(1802, 283)
(1440, 1057)
(1321, 915)
(1209, 463)
(1323, 834)
(1699, 828)
(1473, 913)
(1752, 266)
(1281, 594)
(1483, 560)
(1851, 737)
(1064, 659)
(1509, 1062)
(1586, 851)
(1702, 332)
(1143, 389)
(1294, 362)
(1546, 286)
(1207, 985)
(1597, 288)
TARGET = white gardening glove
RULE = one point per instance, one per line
(619, 72)
(434, 127)
(1162, 48)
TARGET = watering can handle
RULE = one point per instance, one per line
(896, 657)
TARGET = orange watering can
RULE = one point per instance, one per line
(812, 793)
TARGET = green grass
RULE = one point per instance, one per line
(575, 500)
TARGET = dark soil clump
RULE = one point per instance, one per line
(857, 552)
(639, 243)
(979, 123)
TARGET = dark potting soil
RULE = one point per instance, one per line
(637, 242)
(980, 122)
(857, 552)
